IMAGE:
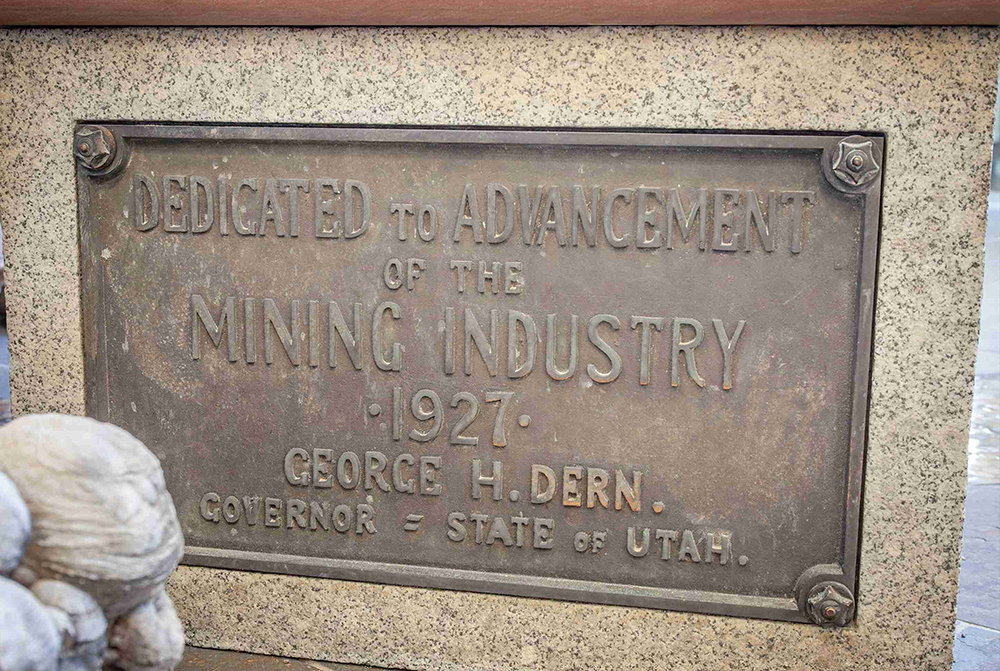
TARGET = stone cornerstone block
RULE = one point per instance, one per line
(930, 91)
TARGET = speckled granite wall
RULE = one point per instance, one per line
(930, 90)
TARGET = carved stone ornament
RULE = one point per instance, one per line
(90, 536)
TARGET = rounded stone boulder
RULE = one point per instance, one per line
(102, 519)
(15, 526)
(150, 638)
(29, 638)
(80, 621)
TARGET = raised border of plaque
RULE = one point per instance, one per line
(822, 584)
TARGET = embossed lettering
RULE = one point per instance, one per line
(552, 218)
(198, 223)
(270, 210)
(294, 476)
(609, 227)
(645, 351)
(597, 481)
(427, 222)
(585, 216)
(396, 362)
(292, 188)
(493, 481)
(295, 512)
(227, 320)
(322, 467)
(688, 348)
(468, 215)
(666, 537)
(407, 486)
(571, 475)
(539, 495)
(172, 203)
(728, 347)
(492, 275)
(474, 335)
(515, 318)
(375, 463)
(140, 221)
(498, 531)
(351, 341)
(345, 479)
(456, 530)
(209, 514)
(550, 349)
(637, 549)
(324, 208)
(721, 547)
(513, 280)
(496, 234)
(239, 211)
(724, 220)
(350, 188)
(798, 199)
(646, 219)
(606, 349)
(429, 469)
(629, 493)
(528, 207)
(401, 209)
(462, 267)
(542, 537)
(765, 225)
(689, 548)
(685, 220)
(289, 340)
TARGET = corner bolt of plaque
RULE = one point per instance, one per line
(854, 164)
(830, 604)
(100, 152)
(94, 146)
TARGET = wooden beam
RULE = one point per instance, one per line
(495, 12)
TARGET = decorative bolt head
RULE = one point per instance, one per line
(95, 147)
(830, 604)
(855, 163)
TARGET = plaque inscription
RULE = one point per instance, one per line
(616, 367)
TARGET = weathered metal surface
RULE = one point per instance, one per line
(615, 367)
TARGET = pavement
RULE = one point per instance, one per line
(977, 629)
(4, 376)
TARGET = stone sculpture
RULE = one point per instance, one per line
(88, 538)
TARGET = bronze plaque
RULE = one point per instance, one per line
(614, 367)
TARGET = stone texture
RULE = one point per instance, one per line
(150, 638)
(29, 638)
(102, 519)
(81, 622)
(930, 90)
(16, 526)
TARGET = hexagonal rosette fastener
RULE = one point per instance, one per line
(94, 147)
(830, 604)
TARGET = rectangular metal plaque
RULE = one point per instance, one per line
(614, 367)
